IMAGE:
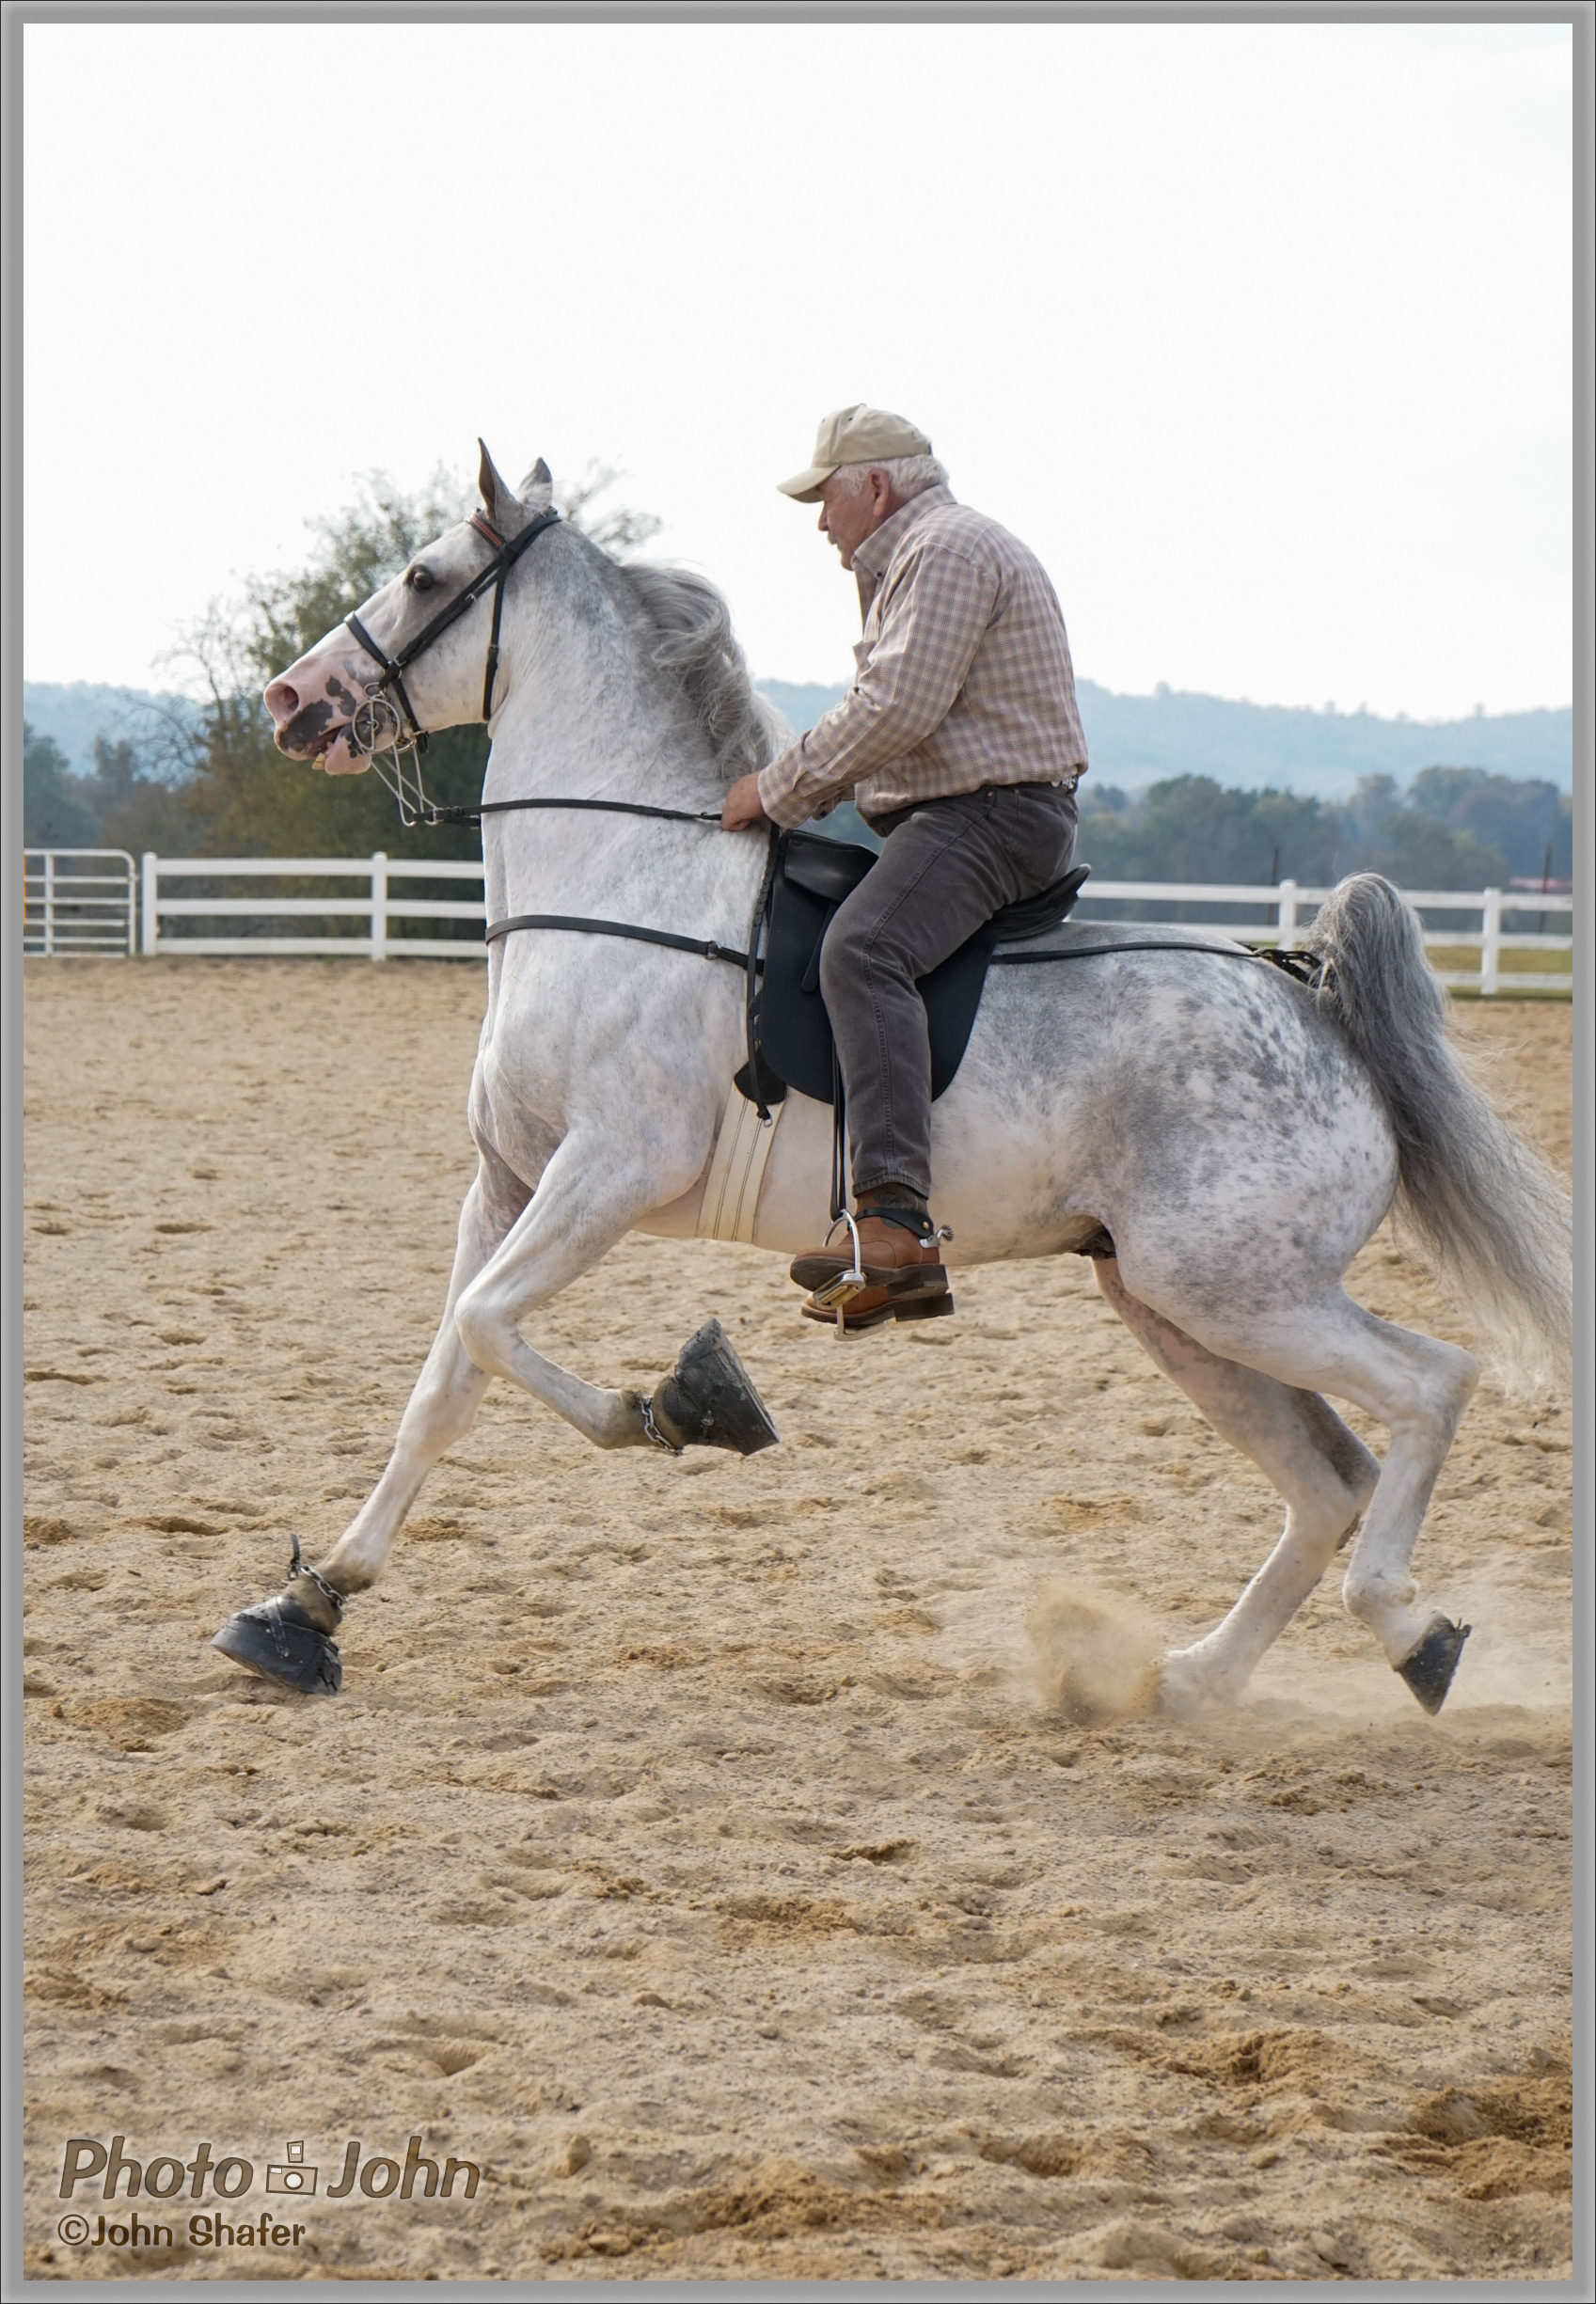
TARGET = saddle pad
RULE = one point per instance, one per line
(814, 876)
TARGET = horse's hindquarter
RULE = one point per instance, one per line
(1202, 1110)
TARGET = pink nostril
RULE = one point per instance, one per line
(287, 699)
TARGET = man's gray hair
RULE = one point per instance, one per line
(911, 476)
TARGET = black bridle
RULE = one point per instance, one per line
(506, 553)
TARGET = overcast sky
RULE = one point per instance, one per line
(1259, 335)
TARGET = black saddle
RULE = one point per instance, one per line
(792, 1035)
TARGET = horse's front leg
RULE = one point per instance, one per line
(289, 1636)
(442, 1406)
(589, 1197)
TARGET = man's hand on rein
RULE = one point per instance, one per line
(743, 805)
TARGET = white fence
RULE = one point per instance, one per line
(1292, 909)
(78, 900)
(378, 906)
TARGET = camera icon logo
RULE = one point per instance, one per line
(291, 2174)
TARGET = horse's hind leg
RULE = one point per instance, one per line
(1419, 1387)
(1298, 1442)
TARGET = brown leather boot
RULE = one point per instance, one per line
(900, 1261)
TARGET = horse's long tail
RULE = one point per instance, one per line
(1490, 1211)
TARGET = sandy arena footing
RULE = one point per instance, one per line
(720, 1856)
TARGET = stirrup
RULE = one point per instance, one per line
(838, 1293)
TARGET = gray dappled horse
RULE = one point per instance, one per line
(1221, 1138)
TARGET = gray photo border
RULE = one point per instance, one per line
(1581, 16)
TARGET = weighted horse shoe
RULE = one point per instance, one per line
(708, 1399)
(281, 1637)
(1429, 1668)
(278, 1640)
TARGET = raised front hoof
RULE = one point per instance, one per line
(1429, 1668)
(709, 1401)
(278, 1640)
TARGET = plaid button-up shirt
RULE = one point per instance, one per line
(964, 676)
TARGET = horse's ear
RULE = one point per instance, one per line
(499, 500)
(536, 491)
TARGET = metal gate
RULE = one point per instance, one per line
(79, 901)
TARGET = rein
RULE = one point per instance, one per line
(1301, 967)
(705, 947)
(612, 808)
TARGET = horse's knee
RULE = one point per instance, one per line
(1371, 1589)
(1311, 1540)
(1465, 1382)
(483, 1330)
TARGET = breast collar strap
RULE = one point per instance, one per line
(394, 668)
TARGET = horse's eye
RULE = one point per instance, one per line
(420, 579)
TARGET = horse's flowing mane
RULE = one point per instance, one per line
(694, 645)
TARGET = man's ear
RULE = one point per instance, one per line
(536, 491)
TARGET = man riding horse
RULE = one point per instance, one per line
(960, 743)
(599, 1077)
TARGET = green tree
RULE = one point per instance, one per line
(244, 798)
(1415, 851)
(1190, 828)
(56, 810)
(618, 528)
(1519, 817)
(1417, 839)
(138, 810)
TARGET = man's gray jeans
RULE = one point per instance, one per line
(947, 866)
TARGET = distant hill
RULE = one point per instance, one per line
(1139, 741)
(1134, 740)
(802, 702)
(74, 712)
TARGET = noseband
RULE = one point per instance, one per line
(376, 721)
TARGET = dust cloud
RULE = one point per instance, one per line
(1093, 1661)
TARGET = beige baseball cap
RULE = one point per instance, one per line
(855, 435)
